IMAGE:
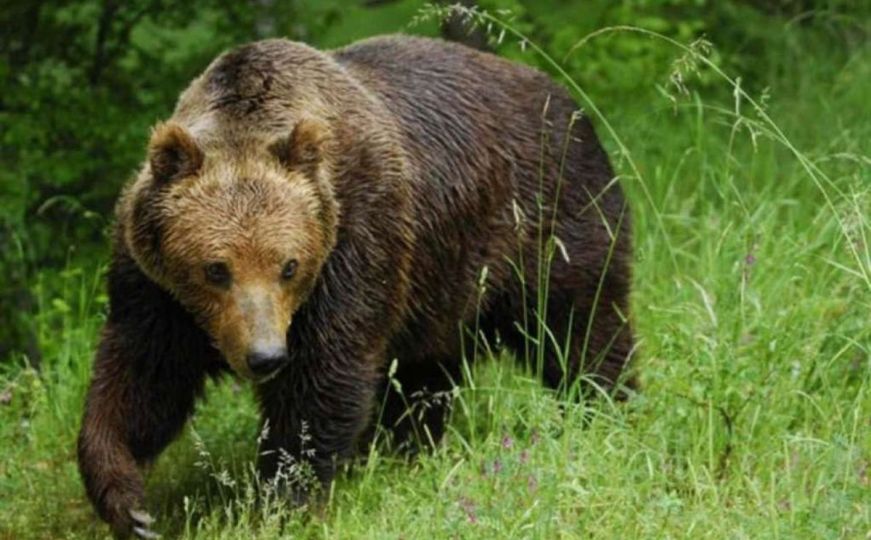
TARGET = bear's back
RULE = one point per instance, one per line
(464, 111)
(424, 80)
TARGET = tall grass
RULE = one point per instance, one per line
(751, 302)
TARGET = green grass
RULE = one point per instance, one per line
(752, 303)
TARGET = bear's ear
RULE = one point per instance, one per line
(173, 153)
(303, 149)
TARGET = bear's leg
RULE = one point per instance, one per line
(591, 337)
(415, 404)
(142, 392)
(313, 417)
(574, 347)
(594, 345)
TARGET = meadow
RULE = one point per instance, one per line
(752, 306)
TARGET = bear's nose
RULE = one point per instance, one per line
(265, 362)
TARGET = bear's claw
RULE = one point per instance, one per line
(147, 534)
(142, 521)
(142, 518)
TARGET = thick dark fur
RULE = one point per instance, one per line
(442, 153)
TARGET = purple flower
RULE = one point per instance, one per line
(507, 442)
(468, 507)
(531, 483)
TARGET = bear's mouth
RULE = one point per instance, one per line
(266, 378)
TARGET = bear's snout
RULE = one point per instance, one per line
(265, 362)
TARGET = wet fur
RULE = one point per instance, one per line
(433, 164)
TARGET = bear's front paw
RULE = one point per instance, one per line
(143, 521)
(123, 511)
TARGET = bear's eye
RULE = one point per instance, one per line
(289, 269)
(218, 274)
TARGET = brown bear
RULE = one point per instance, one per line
(306, 218)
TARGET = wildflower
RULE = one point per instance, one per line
(531, 483)
(468, 506)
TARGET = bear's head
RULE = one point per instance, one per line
(237, 233)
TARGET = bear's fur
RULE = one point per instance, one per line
(344, 209)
